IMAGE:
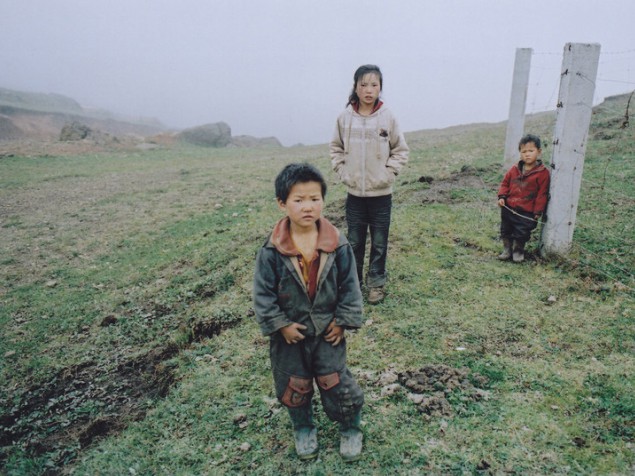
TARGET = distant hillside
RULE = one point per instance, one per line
(39, 102)
(42, 116)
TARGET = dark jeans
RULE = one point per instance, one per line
(362, 214)
(517, 226)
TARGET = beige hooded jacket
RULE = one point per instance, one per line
(367, 152)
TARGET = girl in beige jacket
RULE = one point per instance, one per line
(367, 152)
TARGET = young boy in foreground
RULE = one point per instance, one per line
(306, 293)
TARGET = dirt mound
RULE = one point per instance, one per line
(437, 388)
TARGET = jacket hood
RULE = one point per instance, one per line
(539, 167)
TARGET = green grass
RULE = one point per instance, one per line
(106, 259)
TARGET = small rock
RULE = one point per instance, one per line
(483, 465)
(387, 378)
(415, 398)
(51, 283)
(390, 389)
(244, 447)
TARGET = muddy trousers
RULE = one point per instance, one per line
(295, 368)
(517, 226)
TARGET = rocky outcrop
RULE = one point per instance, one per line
(74, 131)
(218, 134)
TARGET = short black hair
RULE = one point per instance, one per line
(527, 138)
(297, 173)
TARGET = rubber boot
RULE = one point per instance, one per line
(519, 252)
(304, 432)
(507, 250)
(351, 438)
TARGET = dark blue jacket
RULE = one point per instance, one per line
(280, 296)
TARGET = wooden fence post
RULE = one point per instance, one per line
(573, 116)
(517, 103)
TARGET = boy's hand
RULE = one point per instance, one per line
(501, 202)
(292, 334)
(334, 333)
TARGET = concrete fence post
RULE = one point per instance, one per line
(573, 116)
(517, 104)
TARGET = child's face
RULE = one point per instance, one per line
(304, 204)
(529, 154)
(368, 89)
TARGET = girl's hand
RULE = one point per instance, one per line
(292, 334)
(501, 202)
(334, 334)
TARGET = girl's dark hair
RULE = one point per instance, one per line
(359, 74)
(526, 139)
(297, 173)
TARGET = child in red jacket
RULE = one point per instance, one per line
(522, 196)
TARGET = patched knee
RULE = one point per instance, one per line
(298, 392)
(327, 382)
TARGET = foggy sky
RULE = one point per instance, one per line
(284, 68)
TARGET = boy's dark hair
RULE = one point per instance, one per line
(526, 139)
(359, 74)
(297, 173)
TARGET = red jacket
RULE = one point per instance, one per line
(529, 191)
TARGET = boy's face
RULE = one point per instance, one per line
(529, 154)
(304, 204)
(368, 89)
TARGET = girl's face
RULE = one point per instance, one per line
(368, 88)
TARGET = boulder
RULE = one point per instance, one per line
(218, 134)
(74, 131)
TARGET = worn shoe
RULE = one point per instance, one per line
(518, 256)
(507, 250)
(306, 444)
(505, 255)
(376, 295)
(351, 444)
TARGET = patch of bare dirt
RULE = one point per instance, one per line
(85, 403)
(440, 190)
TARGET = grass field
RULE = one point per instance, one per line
(129, 346)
